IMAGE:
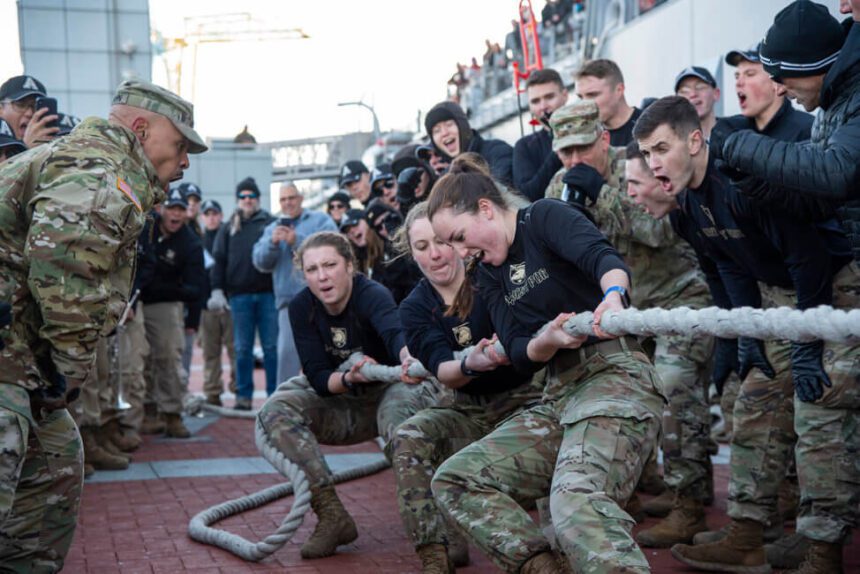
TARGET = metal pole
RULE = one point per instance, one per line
(376, 130)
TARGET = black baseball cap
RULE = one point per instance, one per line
(734, 57)
(695, 72)
(340, 196)
(190, 189)
(18, 87)
(210, 205)
(10, 144)
(381, 173)
(66, 123)
(804, 40)
(351, 171)
(405, 157)
(176, 197)
(350, 218)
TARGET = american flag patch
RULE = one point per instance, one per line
(126, 189)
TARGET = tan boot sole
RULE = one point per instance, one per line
(715, 567)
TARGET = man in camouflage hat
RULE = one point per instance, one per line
(70, 215)
(666, 275)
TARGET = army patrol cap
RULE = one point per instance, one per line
(147, 96)
(575, 124)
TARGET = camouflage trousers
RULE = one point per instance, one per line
(585, 445)
(41, 473)
(298, 421)
(425, 440)
(682, 363)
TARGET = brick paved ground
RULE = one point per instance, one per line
(141, 526)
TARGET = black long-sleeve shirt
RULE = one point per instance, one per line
(178, 272)
(554, 265)
(369, 324)
(742, 244)
(432, 338)
(534, 164)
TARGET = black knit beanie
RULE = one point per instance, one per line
(449, 111)
(248, 184)
(804, 40)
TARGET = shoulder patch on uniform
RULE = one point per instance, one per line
(129, 193)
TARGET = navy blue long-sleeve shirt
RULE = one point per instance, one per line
(554, 265)
(745, 244)
(432, 338)
(369, 324)
(178, 274)
(534, 164)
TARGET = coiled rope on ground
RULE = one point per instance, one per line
(824, 323)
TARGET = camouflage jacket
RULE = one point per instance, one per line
(71, 212)
(664, 268)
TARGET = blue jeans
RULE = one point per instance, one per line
(254, 311)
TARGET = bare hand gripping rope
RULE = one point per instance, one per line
(823, 323)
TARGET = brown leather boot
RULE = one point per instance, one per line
(634, 508)
(822, 558)
(741, 551)
(105, 442)
(88, 470)
(95, 455)
(772, 533)
(543, 563)
(335, 526)
(661, 505)
(458, 548)
(686, 519)
(174, 427)
(151, 423)
(127, 441)
(434, 559)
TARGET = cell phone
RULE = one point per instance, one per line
(51, 104)
(287, 222)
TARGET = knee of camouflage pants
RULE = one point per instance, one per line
(599, 464)
(37, 529)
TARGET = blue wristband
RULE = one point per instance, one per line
(625, 298)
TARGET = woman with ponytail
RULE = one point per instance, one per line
(486, 390)
(587, 442)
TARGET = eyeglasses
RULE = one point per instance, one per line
(23, 105)
(290, 198)
(247, 196)
(388, 184)
(336, 206)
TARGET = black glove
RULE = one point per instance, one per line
(808, 372)
(583, 181)
(725, 362)
(407, 182)
(721, 132)
(751, 354)
(5, 318)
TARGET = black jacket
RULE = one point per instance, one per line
(233, 271)
(828, 166)
(145, 267)
(178, 268)
(498, 154)
(534, 164)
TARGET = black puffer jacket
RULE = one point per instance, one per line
(499, 155)
(828, 166)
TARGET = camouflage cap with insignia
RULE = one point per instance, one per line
(148, 96)
(575, 124)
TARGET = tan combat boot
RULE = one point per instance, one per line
(95, 455)
(543, 563)
(88, 470)
(661, 505)
(174, 427)
(335, 526)
(686, 519)
(822, 558)
(124, 441)
(151, 423)
(434, 559)
(741, 551)
(650, 482)
(107, 445)
(772, 533)
(634, 508)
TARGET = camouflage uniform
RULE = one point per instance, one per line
(425, 440)
(298, 421)
(665, 274)
(600, 417)
(70, 215)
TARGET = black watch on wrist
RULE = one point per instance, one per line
(467, 372)
(350, 387)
